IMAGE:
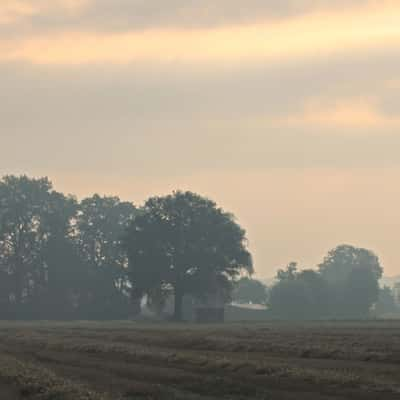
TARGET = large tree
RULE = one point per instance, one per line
(353, 275)
(184, 242)
(100, 224)
(31, 213)
(57, 268)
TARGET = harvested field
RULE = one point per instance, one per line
(127, 360)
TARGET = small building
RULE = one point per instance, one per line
(211, 309)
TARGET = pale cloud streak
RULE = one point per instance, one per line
(14, 11)
(123, 15)
(350, 114)
(311, 35)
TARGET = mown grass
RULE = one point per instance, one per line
(358, 360)
(38, 383)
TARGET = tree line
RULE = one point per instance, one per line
(344, 285)
(98, 258)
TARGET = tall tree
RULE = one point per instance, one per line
(100, 224)
(58, 267)
(28, 210)
(184, 241)
(353, 275)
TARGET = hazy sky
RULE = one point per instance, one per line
(286, 112)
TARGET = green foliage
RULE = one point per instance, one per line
(342, 260)
(299, 294)
(184, 241)
(31, 214)
(249, 291)
(100, 224)
(345, 286)
(386, 304)
(58, 258)
(64, 259)
(353, 275)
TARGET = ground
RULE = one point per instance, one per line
(128, 360)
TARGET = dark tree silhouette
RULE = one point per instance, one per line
(353, 275)
(299, 294)
(386, 303)
(100, 224)
(248, 290)
(58, 258)
(67, 282)
(29, 210)
(59, 265)
(183, 241)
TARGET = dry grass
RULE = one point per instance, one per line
(343, 360)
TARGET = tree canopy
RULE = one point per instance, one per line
(299, 294)
(353, 276)
(184, 241)
(346, 285)
(249, 291)
(60, 257)
(31, 214)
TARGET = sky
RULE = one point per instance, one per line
(286, 113)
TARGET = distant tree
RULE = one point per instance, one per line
(248, 290)
(353, 275)
(99, 227)
(386, 303)
(299, 294)
(396, 293)
(185, 242)
(318, 293)
(290, 273)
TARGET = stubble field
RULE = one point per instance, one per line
(128, 360)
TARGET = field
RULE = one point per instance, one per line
(127, 360)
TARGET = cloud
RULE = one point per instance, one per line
(163, 122)
(311, 35)
(349, 113)
(145, 14)
(123, 15)
(338, 95)
(14, 11)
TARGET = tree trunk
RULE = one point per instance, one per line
(136, 308)
(18, 285)
(136, 301)
(178, 303)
